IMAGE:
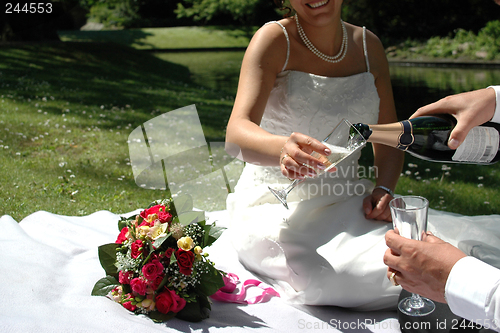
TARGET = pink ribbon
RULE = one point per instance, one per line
(225, 294)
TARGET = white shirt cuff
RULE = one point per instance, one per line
(496, 116)
(469, 288)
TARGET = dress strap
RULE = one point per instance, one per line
(365, 50)
(287, 42)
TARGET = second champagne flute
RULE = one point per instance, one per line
(409, 216)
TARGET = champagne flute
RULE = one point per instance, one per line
(409, 216)
(343, 140)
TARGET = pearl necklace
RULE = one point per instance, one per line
(333, 59)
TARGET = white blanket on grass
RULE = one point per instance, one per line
(49, 265)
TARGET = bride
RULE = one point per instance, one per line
(299, 77)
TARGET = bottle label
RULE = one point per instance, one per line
(480, 146)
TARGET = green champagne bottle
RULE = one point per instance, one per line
(427, 138)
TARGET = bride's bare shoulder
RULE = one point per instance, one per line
(269, 44)
(272, 32)
(374, 47)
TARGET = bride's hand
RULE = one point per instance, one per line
(296, 160)
(376, 206)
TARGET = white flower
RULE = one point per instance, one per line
(158, 230)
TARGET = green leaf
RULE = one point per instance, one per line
(211, 281)
(205, 302)
(183, 203)
(157, 243)
(191, 217)
(122, 223)
(104, 286)
(202, 223)
(163, 282)
(216, 232)
(159, 317)
(173, 259)
(212, 233)
(195, 311)
(107, 257)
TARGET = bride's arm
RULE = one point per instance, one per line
(388, 161)
(263, 61)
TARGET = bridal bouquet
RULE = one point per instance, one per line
(157, 266)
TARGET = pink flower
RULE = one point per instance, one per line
(169, 301)
(138, 286)
(116, 294)
(122, 236)
(129, 306)
(137, 248)
(152, 270)
(125, 277)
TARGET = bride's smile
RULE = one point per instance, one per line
(318, 4)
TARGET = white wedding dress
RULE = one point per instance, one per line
(323, 251)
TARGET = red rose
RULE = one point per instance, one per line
(169, 301)
(154, 284)
(159, 210)
(169, 252)
(164, 217)
(138, 286)
(136, 249)
(152, 270)
(125, 277)
(185, 260)
(122, 236)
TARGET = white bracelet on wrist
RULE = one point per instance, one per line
(388, 190)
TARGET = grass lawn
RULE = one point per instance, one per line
(66, 113)
(168, 38)
(67, 110)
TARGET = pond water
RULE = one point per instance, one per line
(417, 86)
(413, 86)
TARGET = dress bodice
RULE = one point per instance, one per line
(313, 104)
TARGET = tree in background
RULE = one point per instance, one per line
(112, 13)
(36, 21)
(420, 19)
(246, 12)
(392, 20)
